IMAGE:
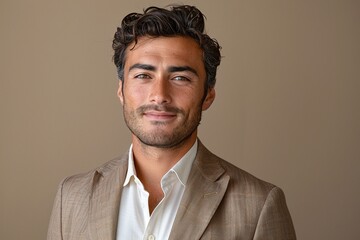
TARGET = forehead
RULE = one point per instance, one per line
(166, 51)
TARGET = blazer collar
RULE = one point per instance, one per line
(204, 191)
(105, 200)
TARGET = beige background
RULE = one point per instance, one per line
(287, 107)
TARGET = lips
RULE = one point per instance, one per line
(159, 115)
(159, 112)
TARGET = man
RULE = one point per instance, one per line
(168, 186)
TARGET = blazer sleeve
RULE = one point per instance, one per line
(275, 221)
(55, 224)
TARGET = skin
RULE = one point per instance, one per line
(162, 95)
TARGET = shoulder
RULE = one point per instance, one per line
(82, 183)
(240, 181)
(247, 199)
(247, 181)
(243, 190)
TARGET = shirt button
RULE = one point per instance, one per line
(151, 237)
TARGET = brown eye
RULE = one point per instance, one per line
(142, 76)
(180, 78)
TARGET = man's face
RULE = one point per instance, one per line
(163, 90)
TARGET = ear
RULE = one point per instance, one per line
(120, 92)
(210, 97)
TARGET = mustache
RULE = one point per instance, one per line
(159, 108)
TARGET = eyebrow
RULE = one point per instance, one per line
(142, 66)
(182, 69)
(170, 69)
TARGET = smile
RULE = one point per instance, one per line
(159, 115)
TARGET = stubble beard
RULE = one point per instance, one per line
(160, 138)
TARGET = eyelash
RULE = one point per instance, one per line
(182, 78)
(176, 78)
(142, 76)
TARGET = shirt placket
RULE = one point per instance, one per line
(152, 231)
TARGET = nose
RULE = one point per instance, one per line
(160, 91)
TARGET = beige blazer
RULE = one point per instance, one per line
(220, 201)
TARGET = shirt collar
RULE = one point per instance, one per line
(181, 168)
(131, 167)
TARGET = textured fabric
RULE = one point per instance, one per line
(135, 221)
(220, 201)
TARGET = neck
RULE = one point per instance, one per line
(152, 163)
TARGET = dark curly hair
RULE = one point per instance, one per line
(183, 20)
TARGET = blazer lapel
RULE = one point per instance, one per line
(105, 200)
(204, 191)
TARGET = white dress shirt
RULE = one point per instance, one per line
(135, 221)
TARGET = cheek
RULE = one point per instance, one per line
(134, 94)
(191, 101)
